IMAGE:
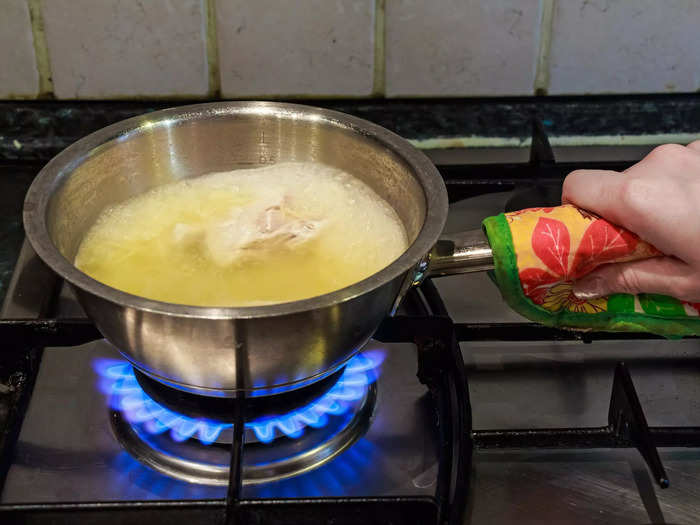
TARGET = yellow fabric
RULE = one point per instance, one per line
(555, 246)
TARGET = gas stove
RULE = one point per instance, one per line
(189, 438)
(366, 438)
(458, 411)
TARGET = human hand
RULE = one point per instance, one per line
(658, 199)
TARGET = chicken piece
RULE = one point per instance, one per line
(257, 229)
(186, 234)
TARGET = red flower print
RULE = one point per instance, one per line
(550, 242)
(694, 306)
(536, 282)
(601, 243)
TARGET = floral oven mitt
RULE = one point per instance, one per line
(539, 252)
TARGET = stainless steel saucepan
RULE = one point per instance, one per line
(218, 351)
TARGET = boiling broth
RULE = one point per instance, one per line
(245, 237)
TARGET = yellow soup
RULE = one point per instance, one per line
(253, 236)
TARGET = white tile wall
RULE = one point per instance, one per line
(461, 47)
(113, 48)
(102, 49)
(625, 46)
(295, 47)
(18, 71)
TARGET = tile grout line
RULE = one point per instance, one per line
(41, 49)
(379, 74)
(212, 49)
(545, 45)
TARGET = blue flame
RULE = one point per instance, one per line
(118, 382)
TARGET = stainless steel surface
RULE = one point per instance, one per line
(67, 451)
(463, 252)
(30, 290)
(551, 385)
(193, 462)
(217, 351)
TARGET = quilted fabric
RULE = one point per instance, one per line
(540, 252)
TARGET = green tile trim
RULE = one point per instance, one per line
(379, 83)
(212, 48)
(545, 45)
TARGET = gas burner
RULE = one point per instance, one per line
(222, 408)
(331, 415)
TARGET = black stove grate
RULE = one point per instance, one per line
(440, 367)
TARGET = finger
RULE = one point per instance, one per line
(597, 191)
(661, 275)
(637, 199)
(695, 145)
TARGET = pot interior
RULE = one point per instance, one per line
(169, 146)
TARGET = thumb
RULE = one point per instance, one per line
(662, 275)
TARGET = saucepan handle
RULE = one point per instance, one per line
(462, 252)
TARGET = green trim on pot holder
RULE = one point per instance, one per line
(660, 315)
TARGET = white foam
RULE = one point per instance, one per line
(271, 234)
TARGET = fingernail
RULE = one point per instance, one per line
(587, 289)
